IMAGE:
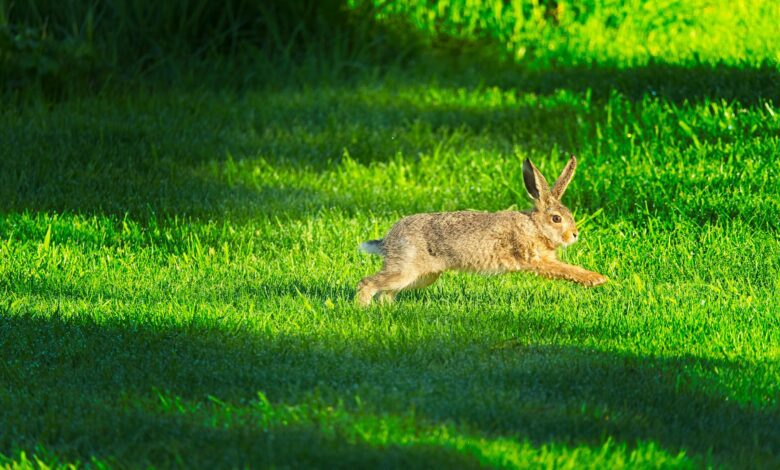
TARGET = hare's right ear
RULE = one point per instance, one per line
(566, 175)
(535, 183)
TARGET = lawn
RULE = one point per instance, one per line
(178, 264)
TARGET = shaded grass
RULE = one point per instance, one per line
(199, 380)
(217, 156)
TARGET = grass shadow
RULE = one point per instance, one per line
(749, 85)
(545, 394)
(223, 155)
(272, 165)
(199, 154)
(123, 165)
(137, 437)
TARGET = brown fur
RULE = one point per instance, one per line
(420, 247)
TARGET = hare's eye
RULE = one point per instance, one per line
(556, 219)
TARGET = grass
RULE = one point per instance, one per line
(177, 267)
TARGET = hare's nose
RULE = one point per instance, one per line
(575, 234)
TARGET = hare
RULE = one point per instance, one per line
(420, 247)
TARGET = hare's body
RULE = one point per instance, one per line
(466, 241)
(418, 248)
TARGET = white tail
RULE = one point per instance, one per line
(372, 247)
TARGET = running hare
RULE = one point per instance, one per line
(420, 247)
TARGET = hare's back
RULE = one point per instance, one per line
(447, 229)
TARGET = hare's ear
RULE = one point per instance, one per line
(535, 183)
(566, 175)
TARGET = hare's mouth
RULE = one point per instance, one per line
(569, 237)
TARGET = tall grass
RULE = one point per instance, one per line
(626, 32)
(58, 46)
(44, 43)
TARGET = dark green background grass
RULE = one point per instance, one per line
(179, 218)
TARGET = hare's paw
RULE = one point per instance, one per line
(386, 297)
(592, 279)
(365, 292)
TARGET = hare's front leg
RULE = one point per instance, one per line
(559, 270)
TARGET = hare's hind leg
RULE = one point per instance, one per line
(421, 282)
(386, 297)
(424, 281)
(384, 282)
(366, 290)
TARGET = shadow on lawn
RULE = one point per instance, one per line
(83, 389)
(747, 85)
(173, 158)
(150, 161)
(124, 164)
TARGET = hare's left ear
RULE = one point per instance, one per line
(566, 175)
(536, 184)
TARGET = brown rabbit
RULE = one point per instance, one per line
(420, 247)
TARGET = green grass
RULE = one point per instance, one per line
(177, 263)
(625, 32)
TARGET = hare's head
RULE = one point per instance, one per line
(553, 219)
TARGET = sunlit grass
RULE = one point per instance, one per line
(622, 33)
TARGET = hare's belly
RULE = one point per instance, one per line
(491, 257)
